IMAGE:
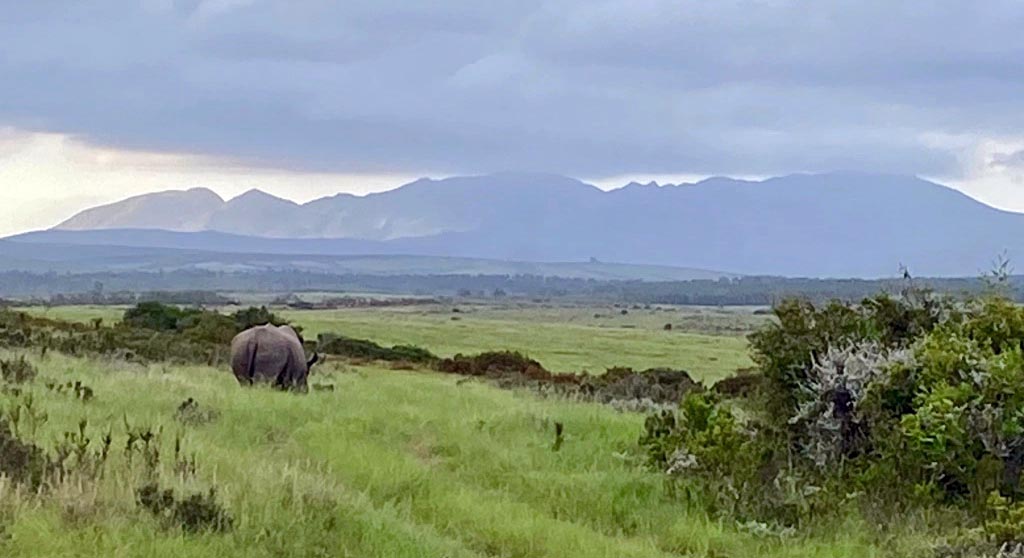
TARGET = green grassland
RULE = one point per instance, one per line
(555, 339)
(399, 463)
(389, 464)
(707, 342)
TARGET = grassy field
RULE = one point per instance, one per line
(389, 464)
(707, 342)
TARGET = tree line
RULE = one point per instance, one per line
(197, 287)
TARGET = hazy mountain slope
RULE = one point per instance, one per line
(64, 251)
(174, 210)
(259, 214)
(839, 224)
(210, 241)
(422, 208)
(430, 207)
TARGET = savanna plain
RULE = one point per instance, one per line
(380, 460)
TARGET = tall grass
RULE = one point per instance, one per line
(388, 464)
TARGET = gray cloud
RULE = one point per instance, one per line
(585, 87)
(1006, 160)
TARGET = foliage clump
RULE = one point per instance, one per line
(17, 371)
(150, 331)
(252, 316)
(202, 325)
(21, 461)
(157, 316)
(194, 513)
(365, 349)
(897, 401)
(622, 387)
(190, 413)
(832, 415)
(75, 389)
(491, 362)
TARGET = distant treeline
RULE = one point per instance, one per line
(762, 291)
(196, 287)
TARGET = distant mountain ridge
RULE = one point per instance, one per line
(132, 250)
(189, 210)
(835, 225)
(422, 208)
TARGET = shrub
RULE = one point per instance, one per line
(150, 332)
(703, 436)
(201, 324)
(75, 389)
(17, 371)
(657, 386)
(786, 351)
(190, 413)
(194, 513)
(252, 316)
(209, 327)
(488, 362)
(906, 401)
(156, 316)
(366, 349)
(1006, 520)
(21, 461)
(745, 383)
(832, 416)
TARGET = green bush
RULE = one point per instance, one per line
(157, 316)
(150, 331)
(200, 324)
(703, 436)
(252, 317)
(365, 349)
(192, 345)
(907, 401)
(21, 461)
(17, 371)
(193, 514)
(488, 362)
(210, 327)
(1006, 520)
(785, 351)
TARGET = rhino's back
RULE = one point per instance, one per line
(264, 353)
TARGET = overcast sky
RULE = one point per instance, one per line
(303, 98)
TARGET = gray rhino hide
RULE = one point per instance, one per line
(269, 354)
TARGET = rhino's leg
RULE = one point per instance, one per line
(283, 378)
(250, 374)
(301, 385)
(293, 376)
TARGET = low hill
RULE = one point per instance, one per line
(132, 250)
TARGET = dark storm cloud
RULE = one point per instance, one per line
(582, 87)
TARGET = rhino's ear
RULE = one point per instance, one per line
(313, 360)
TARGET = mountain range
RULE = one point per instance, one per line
(842, 224)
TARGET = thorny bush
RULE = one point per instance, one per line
(898, 401)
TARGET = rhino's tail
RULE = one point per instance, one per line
(250, 371)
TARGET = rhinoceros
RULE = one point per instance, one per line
(273, 355)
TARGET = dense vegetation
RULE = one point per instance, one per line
(118, 288)
(884, 407)
(365, 349)
(896, 421)
(390, 464)
(149, 331)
